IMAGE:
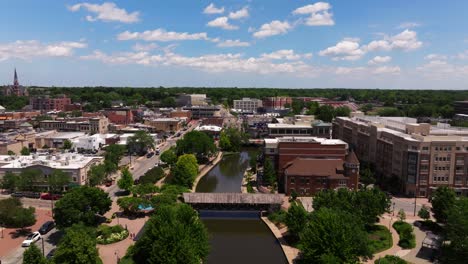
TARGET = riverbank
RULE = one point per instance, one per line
(289, 252)
(206, 168)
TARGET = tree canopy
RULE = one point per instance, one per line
(126, 180)
(231, 139)
(81, 205)
(140, 142)
(457, 233)
(442, 201)
(169, 156)
(57, 180)
(197, 143)
(13, 214)
(269, 172)
(333, 235)
(185, 171)
(296, 219)
(25, 151)
(77, 246)
(33, 255)
(174, 235)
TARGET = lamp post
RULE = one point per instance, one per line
(393, 210)
(43, 251)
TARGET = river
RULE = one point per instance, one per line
(236, 236)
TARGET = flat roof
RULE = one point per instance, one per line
(58, 161)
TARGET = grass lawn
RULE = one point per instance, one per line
(380, 238)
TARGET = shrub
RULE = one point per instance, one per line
(110, 234)
(391, 260)
(277, 217)
(405, 231)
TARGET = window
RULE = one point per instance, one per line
(458, 148)
(425, 148)
(292, 180)
(342, 183)
(74, 179)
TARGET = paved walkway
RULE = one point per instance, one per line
(291, 253)
(204, 169)
(387, 220)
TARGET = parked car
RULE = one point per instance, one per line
(32, 238)
(51, 253)
(46, 227)
(17, 194)
(34, 195)
(157, 151)
(150, 154)
(48, 196)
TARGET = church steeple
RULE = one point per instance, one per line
(15, 80)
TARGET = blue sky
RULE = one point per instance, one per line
(258, 43)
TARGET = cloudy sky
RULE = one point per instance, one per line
(396, 44)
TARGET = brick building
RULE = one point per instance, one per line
(300, 158)
(119, 115)
(46, 103)
(421, 156)
(90, 125)
(165, 124)
(279, 102)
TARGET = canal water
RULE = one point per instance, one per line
(236, 236)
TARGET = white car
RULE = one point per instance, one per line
(31, 239)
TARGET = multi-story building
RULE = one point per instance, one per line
(165, 124)
(192, 100)
(203, 111)
(75, 165)
(46, 103)
(422, 156)
(181, 114)
(461, 107)
(299, 126)
(119, 115)
(248, 105)
(310, 164)
(275, 103)
(89, 125)
(54, 139)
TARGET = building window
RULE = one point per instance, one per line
(74, 179)
(425, 148)
(342, 183)
(292, 180)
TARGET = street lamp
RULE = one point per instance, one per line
(43, 251)
(393, 210)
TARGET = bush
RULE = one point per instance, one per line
(277, 217)
(391, 260)
(110, 234)
(405, 231)
(380, 238)
(152, 176)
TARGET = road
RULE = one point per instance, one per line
(407, 204)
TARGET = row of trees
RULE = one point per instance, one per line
(336, 231)
(98, 173)
(231, 139)
(28, 180)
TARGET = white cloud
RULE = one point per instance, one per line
(212, 9)
(273, 28)
(232, 43)
(344, 50)
(387, 70)
(161, 34)
(406, 25)
(144, 47)
(434, 56)
(319, 14)
(285, 55)
(32, 48)
(442, 70)
(222, 22)
(379, 60)
(463, 55)
(107, 12)
(241, 13)
(143, 58)
(406, 40)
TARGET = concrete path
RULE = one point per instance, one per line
(387, 220)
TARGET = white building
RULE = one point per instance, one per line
(75, 165)
(249, 105)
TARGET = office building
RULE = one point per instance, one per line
(247, 105)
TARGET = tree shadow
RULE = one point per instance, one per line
(22, 232)
(55, 237)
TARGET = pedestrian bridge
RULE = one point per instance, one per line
(234, 201)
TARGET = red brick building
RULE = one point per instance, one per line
(45, 103)
(309, 164)
(278, 102)
(119, 116)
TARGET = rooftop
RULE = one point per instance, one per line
(331, 168)
(58, 161)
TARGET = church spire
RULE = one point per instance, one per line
(15, 80)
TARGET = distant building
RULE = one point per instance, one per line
(119, 115)
(191, 100)
(165, 124)
(46, 103)
(89, 125)
(461, 107)
(16, 88)
(276, 103)
(299, 125)
(202, 111)
(249, 105)
(181, 114)
(76, 166)
(210, 129)
(307, 165)
(423, 157)
(2, 109)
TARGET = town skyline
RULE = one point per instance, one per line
(304, 44)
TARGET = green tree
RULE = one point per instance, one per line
(168, 102)
(312, 108)
(126, 180)
(343, 111)
(367, 176)
(367, 108)
(67, 144)
(296, 219)
(297, 106)
(197, 143)
(11, 153)
(269, 172)
(81, 205)
(33, 255)
(28, 178)
(253, 161)
(96, 175)
(169, 156)
(57, 180)
(224, 142)
(333, 233)
(185, 171)
(234, 139)
(13, 214)
(25, 151)
(10, 181)
(389, 111)
(152, 176)
(174, 235)
(140, 142)
(442, 201)
(114, 153)
(78, 246)
(424, 213)
(130, 204)
(457, 233)
(325, 113)
(401, 215)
